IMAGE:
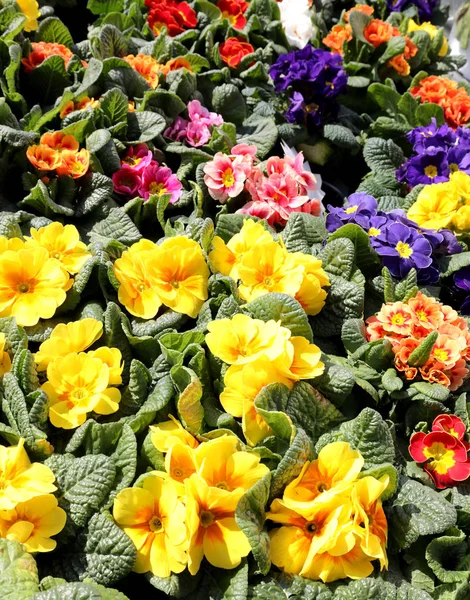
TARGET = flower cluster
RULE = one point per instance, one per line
(29, 513)
(234, 11)
(296, 19)
(424, 7)
(79, 382)
(259, 353)
(408, 324)
(178, 517)
(140, 175)
(314, 79)
(445, 92)
(175, 16)
(150, 69)
(60, 153)
(234, 49)
(332, 524)
(432, 31)
(285, 185)
(197, 130)
(443, 451)
(261, 266)
(399, 242)
(43, 50)
(444, 204)
(174, 274)
(437, 152)
(35, 273)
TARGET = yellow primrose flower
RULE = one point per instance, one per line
(460, 184)
(137, 290)
(242, 384)
(181, 275)
(435, 206)
(269, 268)
(65, 338)
(310, 294)
(5, 360)
(168, 433)
(30, 9)
(225, 258)
(21, 480)
(370, 519)
(32, 523)
(180, 464)
(32, 285)
(222, 465)
(153, 517)
(213, 531)
(301, 360)
(63, 243)
(78, 384)
(113, 358)
(461, 219)
(431, 30)
(330, 475)
(14, 244)
(241, 339)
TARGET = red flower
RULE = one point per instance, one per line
(233, 11)
(453, 425)
(175, 16)
(445, 457)
(233, 50)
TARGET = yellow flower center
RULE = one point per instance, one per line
(79, 394)
(141, 287)
(322, 487)
(268, 281)
(351, 209)
(422, 316)
(206, 518)
(453, 167)
(177, 473)
(157, 188)
(311, 107)
(228, 178)
(397, 319)
(373, 231)
(311, 527)
(132, 161)
(441, 354)
(222, 485)
(23, 288)
(430, 171)
(175, 284)
(155, 525)
(404, 250)
(442, 457)
(56, 255)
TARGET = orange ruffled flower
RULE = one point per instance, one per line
(80, 105)
(400, 63)
(363, 8)
(61, 153)
(42, 51)
(379, 32)
(446, 93)
(146, 66)
(43, 157)
(337, 37)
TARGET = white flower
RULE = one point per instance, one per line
(297, 22)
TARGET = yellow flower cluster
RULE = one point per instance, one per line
(79, 382)
(259, 353)
(432, 31)
(35, 272)
(29, 513)
(174, 274)
(186, 513)
(261, 265)
(444, 205)
(332, 523)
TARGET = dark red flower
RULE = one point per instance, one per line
(233, 11)
(233, 50)
(175, 16)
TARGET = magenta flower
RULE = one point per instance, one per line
(137, 158)
(158, 181)
(224, 178)
(126, 181)
(199, 113)
(177, 131)
(197, 134)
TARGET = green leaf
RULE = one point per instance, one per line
(114, 105)
(49, 79)
(345, 300)
(338, 257)
(391, 381)
(383, 155)
(394, 47)
(229, 102)
(428, 111)
(369, 434)
(53, 29)
(158, 398)
(96, 190)
(182, 585)
(446, 555)
(24, 369)
(419, 510)
(302, 231)
(365, 256)
(353, 334)
(100, 7)
(40, 199)
(258, 131)
(386, 98)
(420, 355)
(283, 308)
(117, 226)
(434, 391)
(450, 264)
(271, 403)
(291, 463)
(408, 288)
(144, 126)
(336, 383)
(250, 517)
(18, 572)
(342, 136)
(78, 591)
(83, 483)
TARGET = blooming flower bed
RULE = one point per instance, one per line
(234, 299)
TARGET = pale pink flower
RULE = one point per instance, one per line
(259, 209)
(224, 178)
(245, 155)
(197, 134)
(160, 180)
(126, 181)
(199, 113)
(254, 182)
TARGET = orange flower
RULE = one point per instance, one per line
(74, 163)
(454, 100)
(363, 8)
(402, 354)
(176, 63)
(446, 351)
(43, 157)
(457, 374)
(378, 32)
(400, 62)
(59, 141)
(336, 38)
(396, 318)
(43, 50)
(146, 66)
(428, 314)
(433, 373)
(80, 105)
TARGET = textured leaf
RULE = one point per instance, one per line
(258, 131)
(302, 231)
(378, 471)
(342, 136)
(53, 29)
(446, 555)
(345, 300)
(338, 257)
(383, 155)
(229, 102)
(365, 256)
(353, 334)
(292, 462)
(421, 353)
(144, 126)
(18, 572)
(117, 226)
